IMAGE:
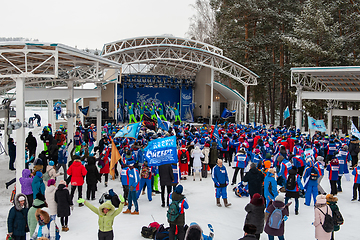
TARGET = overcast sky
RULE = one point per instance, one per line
(90, 24)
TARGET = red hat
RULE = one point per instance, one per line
(183, 146)
(257, 200)
(207, 145)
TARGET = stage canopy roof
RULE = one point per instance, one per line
(227, 93)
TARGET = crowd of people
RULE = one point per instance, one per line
(275, 164)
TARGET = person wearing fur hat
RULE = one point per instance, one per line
(249, 232)
(50, 198)
(270, 186)
(332, 202)
(37, 184)
(179, 222)
(17, 218)
(320, 165)
(46, 227)
(77, 171)
(26, 188)
(63, 200)
(194, 232)
(255, 213)
(321, 208)
(277, 204)
(197, 155)
(205, 160)
(106, 213)
(39, 202)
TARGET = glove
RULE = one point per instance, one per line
(122, 199)
(81, 200)
(132, 188)
(285, 218)
(217, 184)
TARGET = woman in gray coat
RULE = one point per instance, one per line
(255, 213)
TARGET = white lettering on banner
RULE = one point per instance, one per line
(155, 154)
(335, 168)
(163, 144)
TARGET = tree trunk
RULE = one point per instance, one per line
(263, 112)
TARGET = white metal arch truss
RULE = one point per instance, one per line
(181, 54)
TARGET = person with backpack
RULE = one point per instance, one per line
(221, 181)
(241, 161)
(255, 213)
(37, 184)
(184, 159)
(278, 213)
(356, 186)
(293, 186)
(46, 226)
(311, 176)
(337, 217)
(176, 213)
(270, 186)
(255, 180)
(145, 180)
(322, 212)
(333, 169)
(50, 172)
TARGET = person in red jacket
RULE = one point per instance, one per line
(77, 171)
(105, 169)
(184, 158)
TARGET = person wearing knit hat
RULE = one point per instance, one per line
(178, 223)
(50, 198)
(255, 213)
(321, 208)
(37, 184)
(332, 202)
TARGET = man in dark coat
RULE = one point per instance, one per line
(12, 153)
(255, 180)
(17, 218)
(166, 178)
(92, 177)
(179, 222)
(31, 144)
(354, 151)
(63, 200)
(213, 155)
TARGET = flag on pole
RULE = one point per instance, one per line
(165, 125)
(129, 131)
(216, 135)
(161, 151)
(317, 125)
(115, 157)
(354, 130)
(227, 113)
(286, 113)
(84, 110)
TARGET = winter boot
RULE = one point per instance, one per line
(135, 213)
(81, 204)
(65, 229)
(106, 184)
(218, 202)
(226, 202)
(143, 193)
(127, 211)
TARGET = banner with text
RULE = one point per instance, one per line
(161, 151)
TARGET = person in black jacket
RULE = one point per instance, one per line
(31, 144)
(166, 178)
(63, 200)
(179, 222)
(92, 177)
(249, 234)
(354, 151)
(12, 153)
(17, 218)
(255, 179)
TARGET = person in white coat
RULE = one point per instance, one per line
(197, 165)
(321, 205)
(50, 198)
(205, 162)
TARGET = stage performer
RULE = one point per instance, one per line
(131, 112)
(152, 111)
(177, 114)
(161, 112)
(142, 110)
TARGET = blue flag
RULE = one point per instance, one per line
(129, 131)
(286, 113)
(216, 135)
(163, 124)
(227, 113)
(161, 151)
(354, 130)
(317, 125)
(84, 110)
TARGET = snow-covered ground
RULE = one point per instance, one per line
(227, 222)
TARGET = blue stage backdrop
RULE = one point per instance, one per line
(158, 95)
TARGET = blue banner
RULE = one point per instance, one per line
(129, 131)
(164, 125)
(187, 105)
(354, 130)
(216, 135)
(286, 113)
(227, 113)
(317, 125)
(161, 151)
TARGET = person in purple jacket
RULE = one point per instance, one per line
(26, 187)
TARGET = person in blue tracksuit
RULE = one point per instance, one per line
(311, 176)
(125, 182)
(344, 157)
(294, 193)
(319, 164)
(356, 186)
(241, 160)
(333, 169)
(221, 180)
(270, 186)
(145, 179)
(134, 180)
